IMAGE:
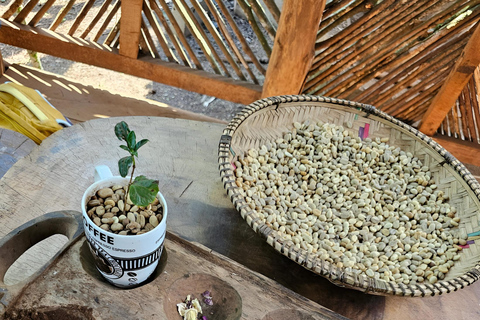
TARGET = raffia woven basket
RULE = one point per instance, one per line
(268, 119)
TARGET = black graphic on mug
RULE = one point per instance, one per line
(104, 262)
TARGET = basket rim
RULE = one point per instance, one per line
(333, 273)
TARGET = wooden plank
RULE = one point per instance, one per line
(107, 21)
(177, 30)
(158, 32)
(95, 20)
(216, 36)
(464, 151)
(226, 34)
(130, 21)
(61, 15)
(256, 28)
(200, 36)
(12, 9)
(83, 13)
(293, 52)
(453, 85)
(240, 36)
(41, 12)
(152, 69)
(25, 11)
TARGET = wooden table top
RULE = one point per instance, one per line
(182, 155)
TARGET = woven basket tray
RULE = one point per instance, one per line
(268, 119)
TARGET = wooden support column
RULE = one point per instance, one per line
(453, 85)
(130, 24)
(2, 66)
(294, 47)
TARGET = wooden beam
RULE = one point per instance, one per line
(453, 85)
(130, 24)
(294, 47)
(464, 151)
(92, 53)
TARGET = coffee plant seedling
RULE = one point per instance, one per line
(142, 191)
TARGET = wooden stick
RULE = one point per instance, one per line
(25, 11)
(148, 68)
(223, 29)
(199, 34)
(112, 34)
(47, 5)
(177, 29)
(293, 52)
(131, 20)
(240, 36)
(12, 9)
(253, 23)
(95, 20)
(61, 14)
(454, 84)
(469, 104)
(2, 65)
(476, 102)
(143, 47)
(216, 36)
(150, 43)
(365, 51)
(107, 21)
(462, 114)
(158, 32)
(262, 17)
(78, 20)
(273, 8)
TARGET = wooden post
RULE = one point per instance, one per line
(130, 23)
(453, 85)
(294, 47)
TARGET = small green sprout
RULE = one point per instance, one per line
(142, 191)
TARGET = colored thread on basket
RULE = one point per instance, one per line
(233, 165)
(464, 246)
(360, 132)
(470, 241)
(366, 130)
(473, 234)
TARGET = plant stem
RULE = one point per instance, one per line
(129, 184)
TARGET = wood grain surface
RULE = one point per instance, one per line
(182, 154)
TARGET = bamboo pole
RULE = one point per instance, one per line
(12, 9)
(293, 52)
(149, 41)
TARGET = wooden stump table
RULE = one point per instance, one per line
(182, 155)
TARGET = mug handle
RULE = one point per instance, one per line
(102, 172)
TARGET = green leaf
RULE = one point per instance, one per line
(124, 147)
(122, 130)
(140, 144)
(143, 191)
(131, 140)
(124, 165)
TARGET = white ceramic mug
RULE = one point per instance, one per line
(124, 260)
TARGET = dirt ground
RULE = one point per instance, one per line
(127, 85)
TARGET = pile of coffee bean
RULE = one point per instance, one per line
(363, 205)
(108, 210)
